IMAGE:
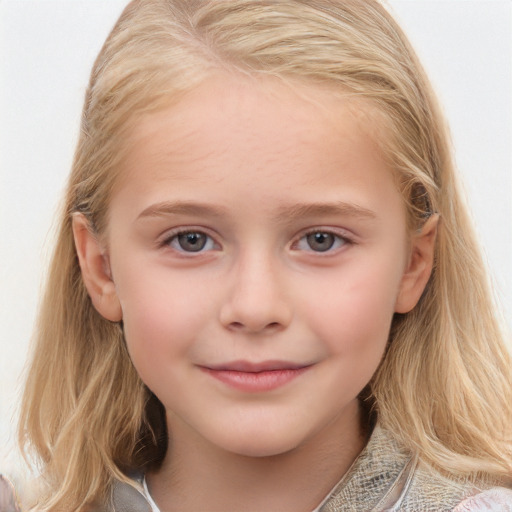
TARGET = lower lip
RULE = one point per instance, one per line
(256, 382)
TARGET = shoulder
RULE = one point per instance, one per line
(7, 496)
(125, 498)
(497, 499)
(428, 490)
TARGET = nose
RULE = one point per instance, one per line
(256, 301)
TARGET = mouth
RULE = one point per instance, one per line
(256, 377)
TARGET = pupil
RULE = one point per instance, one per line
(192, 242)
(320, 241)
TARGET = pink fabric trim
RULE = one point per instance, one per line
(493, 500)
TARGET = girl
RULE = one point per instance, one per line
(266, 294)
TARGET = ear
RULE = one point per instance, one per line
(419, 268)
(95, 269)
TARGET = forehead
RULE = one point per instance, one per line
(258, 147)
(265, 116)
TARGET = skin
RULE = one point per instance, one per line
(268, 177)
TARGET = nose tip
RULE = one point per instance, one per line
(256, 302)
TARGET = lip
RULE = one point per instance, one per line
(256, 377)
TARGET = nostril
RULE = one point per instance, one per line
(240, 326)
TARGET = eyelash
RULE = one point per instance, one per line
(173, 241)
(338, 242)
(174, 238)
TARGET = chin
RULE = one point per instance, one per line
(261, 444)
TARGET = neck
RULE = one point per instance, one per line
(196, 475)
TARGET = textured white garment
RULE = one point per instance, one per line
(493, 500)
(384, 478)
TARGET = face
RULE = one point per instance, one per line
(258, 250)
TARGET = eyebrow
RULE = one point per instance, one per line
(182, 208)
(289, 212)
(338, 208)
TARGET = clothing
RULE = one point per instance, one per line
(8, 501)
(384, 477)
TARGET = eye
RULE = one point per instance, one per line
(190, 241)
(321, 241)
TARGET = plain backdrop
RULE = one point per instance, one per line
(47, 48)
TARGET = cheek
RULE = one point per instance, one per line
(355, 314)
(152, 336)
(161, 318)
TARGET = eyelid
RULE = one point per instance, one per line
(164, 241)
(346, 236)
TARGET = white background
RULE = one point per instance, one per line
(47, 48)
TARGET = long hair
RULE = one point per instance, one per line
(444, 387)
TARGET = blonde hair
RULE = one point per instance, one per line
(444, 387)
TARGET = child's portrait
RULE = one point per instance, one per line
(266, 289)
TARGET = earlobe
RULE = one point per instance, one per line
(419, 268)
(95, 270)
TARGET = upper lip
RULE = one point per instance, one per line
(256, 367)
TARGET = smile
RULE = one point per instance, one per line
(256, 378)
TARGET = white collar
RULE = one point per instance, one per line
(154, 507)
